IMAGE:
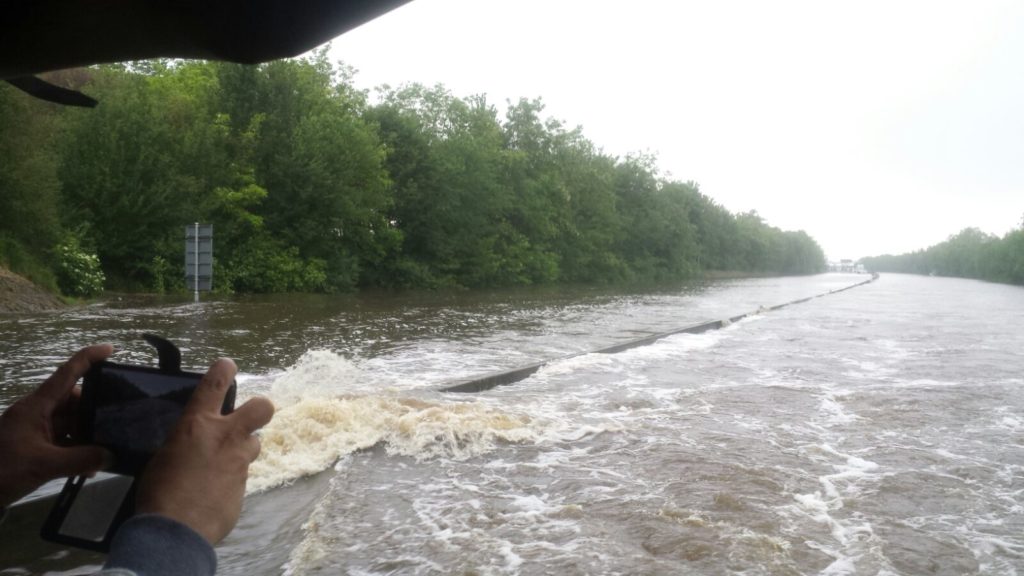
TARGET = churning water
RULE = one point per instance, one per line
(875, 431)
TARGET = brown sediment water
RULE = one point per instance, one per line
(876, 430)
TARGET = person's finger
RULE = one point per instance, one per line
(58, 385)
(75, 461)
(251, 448)
(65, 419)
(254, 414)
(209, 395)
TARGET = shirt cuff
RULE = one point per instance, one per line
(154, 545)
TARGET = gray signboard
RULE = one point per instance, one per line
(199, 257)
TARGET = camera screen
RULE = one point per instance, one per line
(135, 411)
(95, 507)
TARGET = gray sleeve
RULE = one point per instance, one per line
(154, 545)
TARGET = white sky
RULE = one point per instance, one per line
(877, 126)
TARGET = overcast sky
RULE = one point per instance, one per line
(875, 126)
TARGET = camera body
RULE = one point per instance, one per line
(131, 411)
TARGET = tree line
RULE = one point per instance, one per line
(311, 187)
(970, 253)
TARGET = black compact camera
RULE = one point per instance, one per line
(131, 411)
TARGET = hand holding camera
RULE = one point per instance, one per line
(35, 432)
(172, 437)
(198, 477)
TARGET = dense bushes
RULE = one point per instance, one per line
(312, 188)
(78, 271)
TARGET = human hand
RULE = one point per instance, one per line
(198, 477)
(35, 429)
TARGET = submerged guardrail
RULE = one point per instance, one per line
(505, 377)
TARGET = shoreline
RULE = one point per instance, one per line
(20, 295)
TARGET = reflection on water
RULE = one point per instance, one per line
(880, 430)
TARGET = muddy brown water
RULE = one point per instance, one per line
(875, 431)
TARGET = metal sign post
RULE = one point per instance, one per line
(199, 257)
(196, 276)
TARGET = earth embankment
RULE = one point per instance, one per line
(19, 295)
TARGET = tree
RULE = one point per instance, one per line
(29, 186)
(312, 189)
(970, 253)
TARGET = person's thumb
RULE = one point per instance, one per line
(78, 461)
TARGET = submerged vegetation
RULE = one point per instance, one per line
(968, 254)
(311, 187)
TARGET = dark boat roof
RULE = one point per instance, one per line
(42, 35)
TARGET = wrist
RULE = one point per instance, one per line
(157, 545)
(186, 516)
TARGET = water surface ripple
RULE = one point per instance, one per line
(876, 431)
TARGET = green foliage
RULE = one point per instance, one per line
(165, 278)
(29, 187)
(310, 188)
(970, 253)
(78, 270)
(15, 257)
(267, 266)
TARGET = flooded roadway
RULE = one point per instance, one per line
(875, 431)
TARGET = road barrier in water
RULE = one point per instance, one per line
(504, 377)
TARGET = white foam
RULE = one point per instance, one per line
(310, 435)
(923, 383)
(674, 346)
(576, 363)
(813, 503)
(840, 567)
(325, 410)
(530, 505)
(512, 560)
(835, 413)
(851, 536)
(1011, 423)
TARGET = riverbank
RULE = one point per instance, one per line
(734, 274)
(742, 274)
(19, 295)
